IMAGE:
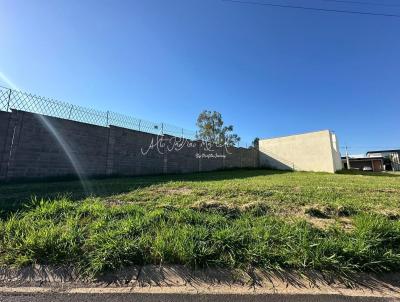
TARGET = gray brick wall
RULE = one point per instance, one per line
(233, 158)
(181, 158)
(5, 119)
(36, 152)
(30, 150)
(127, 153)
(211, 162)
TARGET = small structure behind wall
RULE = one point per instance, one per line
(391, 158)
(373, 164)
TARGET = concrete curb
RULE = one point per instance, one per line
(182, 281)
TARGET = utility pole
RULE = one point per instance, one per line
(347, 159)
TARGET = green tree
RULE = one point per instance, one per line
(254, 143)
(211, 129)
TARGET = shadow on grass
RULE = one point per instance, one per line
(179, 275)
(170, 275)
(13, 196)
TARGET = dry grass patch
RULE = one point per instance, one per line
(217, 207)
(176, 191)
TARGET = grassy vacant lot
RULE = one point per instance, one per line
(339, 223)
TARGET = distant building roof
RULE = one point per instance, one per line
(356, 155)
(384, 151)
(363, 158)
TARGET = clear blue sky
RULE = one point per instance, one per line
(269, 71)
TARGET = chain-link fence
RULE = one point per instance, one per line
(14, 99)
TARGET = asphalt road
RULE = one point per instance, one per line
(136, 297)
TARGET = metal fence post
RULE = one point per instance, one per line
(140, 121)
(108, 112)
(9, 100)
(70, 112)
(162, 128)
(182, 132)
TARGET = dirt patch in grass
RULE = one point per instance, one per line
(387, 190)
(345, 224)
(257, 208)
(391, 215)
(217, 207)
(117, 202)
(317, 212)
(321, 223)
(177, 191)
(328, 211)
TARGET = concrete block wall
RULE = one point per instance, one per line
(31, 147)
(127, 159)
(250, 158)
(234, 158)
(181, 158)
(34, 145)
(5, 120)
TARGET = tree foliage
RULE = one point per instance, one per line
(254, 143)
(211, 129)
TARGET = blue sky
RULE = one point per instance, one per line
(269, 71)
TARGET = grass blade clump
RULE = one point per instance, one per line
(96, 237)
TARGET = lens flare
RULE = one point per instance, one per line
(68, 152)
(8, 81)
(46, 122)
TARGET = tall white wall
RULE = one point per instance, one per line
(313, 151)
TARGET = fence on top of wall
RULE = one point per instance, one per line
(42, 138)
(18, 100)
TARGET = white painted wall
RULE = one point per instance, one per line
(337, 159)
(313, 151)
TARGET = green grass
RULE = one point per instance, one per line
(339, 223)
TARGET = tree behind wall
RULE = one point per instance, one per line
(211, 129)
(254, 143)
